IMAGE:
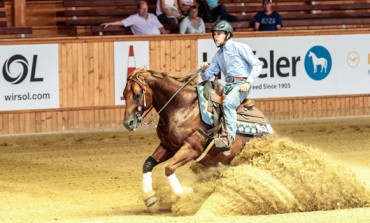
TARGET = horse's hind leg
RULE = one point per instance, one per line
(159, 155)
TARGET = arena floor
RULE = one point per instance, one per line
(96, 177)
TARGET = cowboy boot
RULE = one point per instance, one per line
(223, 142)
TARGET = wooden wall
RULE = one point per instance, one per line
(86, 75)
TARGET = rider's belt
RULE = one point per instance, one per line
(232, 79)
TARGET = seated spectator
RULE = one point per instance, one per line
(211, 11)
(185, 5)
(267, 20)
(141, 23)
(168, 12)
(192, 23)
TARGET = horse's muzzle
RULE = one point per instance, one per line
(130, 123)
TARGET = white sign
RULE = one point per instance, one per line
(29, 77)
(306, 65)
(127, 57)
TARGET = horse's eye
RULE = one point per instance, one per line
(136, 96)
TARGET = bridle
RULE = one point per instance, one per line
(141, 99)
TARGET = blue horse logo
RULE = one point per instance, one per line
(318, 63)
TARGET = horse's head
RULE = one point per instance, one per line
(138, 96)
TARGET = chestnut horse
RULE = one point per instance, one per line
(177, 129)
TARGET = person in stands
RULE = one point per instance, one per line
(241, 69)
(185, 6)
(192, 23)
(168, 12)
(141, 23)
(211, 11)
(267, 20)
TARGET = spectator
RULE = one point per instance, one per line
(211, 11)
(192, 23)
(185, 6)
(141, 23)
(267, 20)
(168, 11)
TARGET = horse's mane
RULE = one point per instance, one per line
(143, 72)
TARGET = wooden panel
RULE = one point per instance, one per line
(63, 82)
(5, 124)
(90, 76)
(1, 124)
(74, 76)
(79, 76)
(100, 74)
(47, 13)
(97, 90)
(175, 56)
(86, 76)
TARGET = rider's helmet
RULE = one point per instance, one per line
(223, 25)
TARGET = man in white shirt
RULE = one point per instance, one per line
(141, 23)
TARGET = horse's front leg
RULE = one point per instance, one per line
(184, 155)
(160, 155)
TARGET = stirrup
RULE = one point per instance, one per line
(222, 144)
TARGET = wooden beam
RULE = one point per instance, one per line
(15, 30)
(323, 22)
(19, 7)
(279, 1)
(92, 3)
(86, 3)
(290, 8)
(87, 22)
(326, 15)
(100, 12)
(100, 30)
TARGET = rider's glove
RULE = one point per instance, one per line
(245, 87)
(204, 66)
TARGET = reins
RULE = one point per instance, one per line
(169, 100)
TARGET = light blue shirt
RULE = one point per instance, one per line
(234, 59)
(212, 3)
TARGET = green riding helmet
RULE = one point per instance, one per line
(223, 25)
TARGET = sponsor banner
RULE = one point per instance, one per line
(306, 65)
(29, 77)
(128, 56)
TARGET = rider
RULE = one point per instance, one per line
(240, 67)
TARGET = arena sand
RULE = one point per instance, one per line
(315, 171)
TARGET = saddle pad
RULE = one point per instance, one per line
(248, 128)
(206, 116)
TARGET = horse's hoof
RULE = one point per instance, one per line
(188, 190)
(151, 200)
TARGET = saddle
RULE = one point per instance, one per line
(250, 120)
